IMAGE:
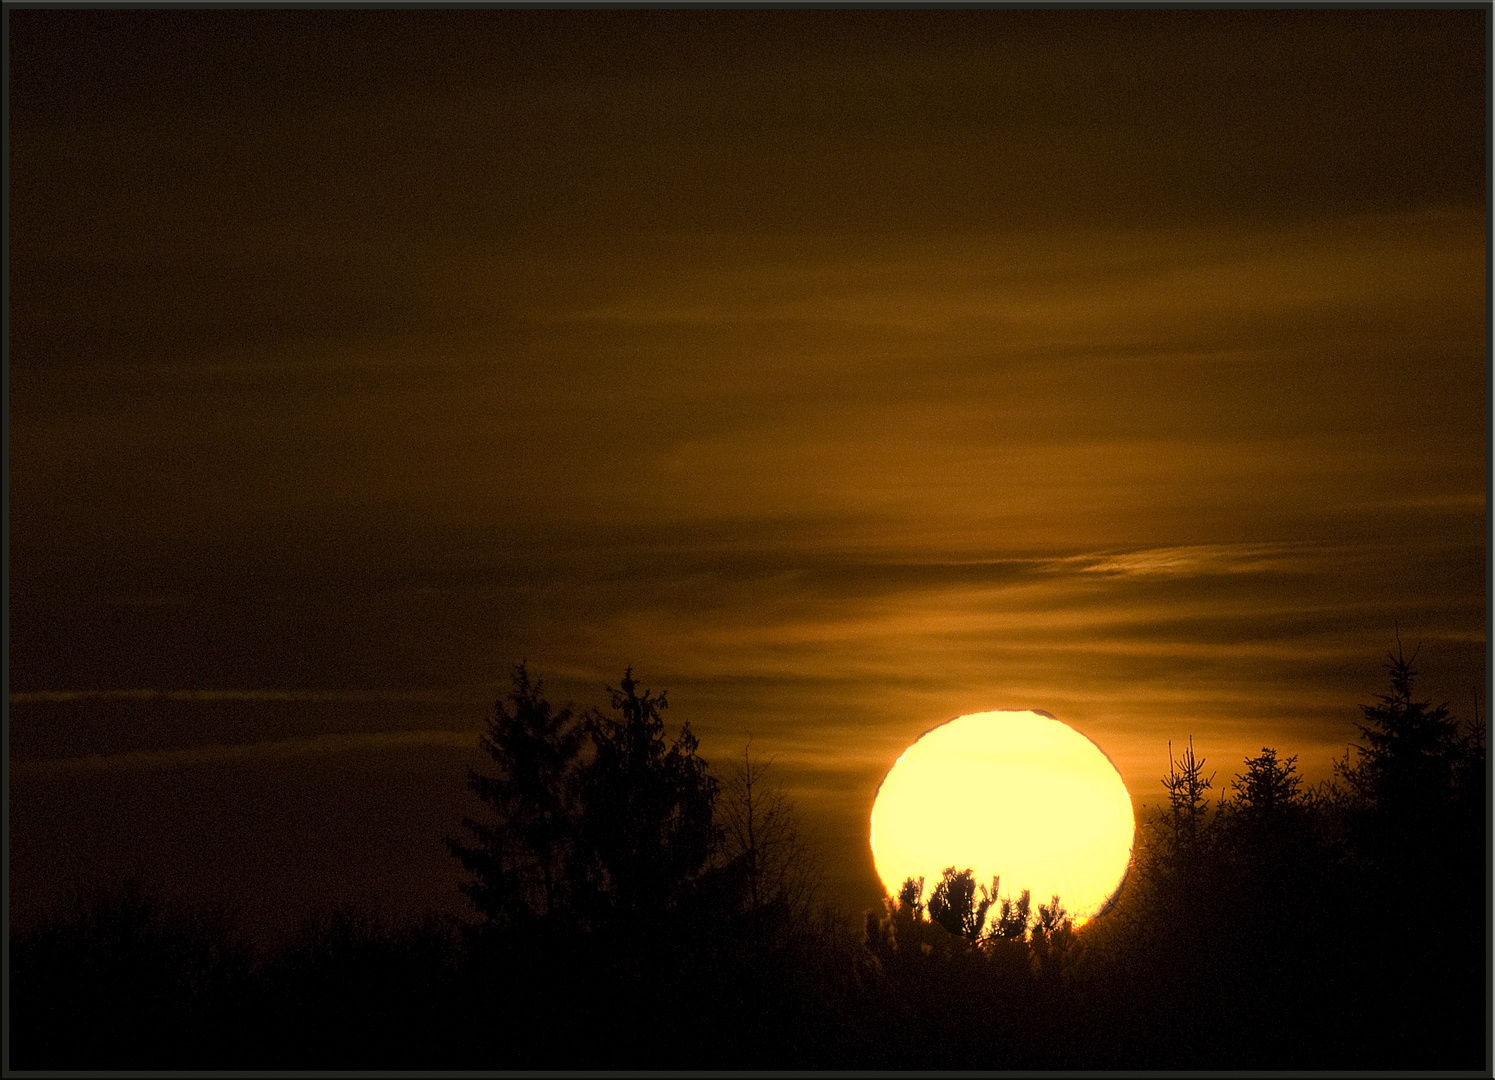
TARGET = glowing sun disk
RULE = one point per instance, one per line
(1014, 794)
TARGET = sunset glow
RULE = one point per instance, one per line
(496, 493)
(1014, 794)
(841, 371)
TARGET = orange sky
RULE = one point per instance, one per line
(841, 372)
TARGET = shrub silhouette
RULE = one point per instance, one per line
(127, 982)
(954, 905)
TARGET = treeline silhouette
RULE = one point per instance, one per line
(635, 910)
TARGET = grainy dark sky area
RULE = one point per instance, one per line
(843, 372)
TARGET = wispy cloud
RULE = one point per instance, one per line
(431, 697)
(328, 745)
(1196, 560)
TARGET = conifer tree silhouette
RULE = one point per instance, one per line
(1265, 822)
(647, 826)
(1268, 787)
(1405, 769)
(520, 864)
(1188, 809)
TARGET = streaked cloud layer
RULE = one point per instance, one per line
(217, 754)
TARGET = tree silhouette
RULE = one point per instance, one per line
(1288, 934)
(954, 906)
(911, 896)
(1052, 940)
(520, 865)
(647, 825)
(1188, 809)
(1417, 833)
(128, 981)
(1013, 917)
(1265, 823)
(761, 845)
(1406, 768)
(1051, 916)
(599, 818)
(1268, 788)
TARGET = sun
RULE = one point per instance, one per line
(1014, 794)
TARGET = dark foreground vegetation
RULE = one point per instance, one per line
(636, 911)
